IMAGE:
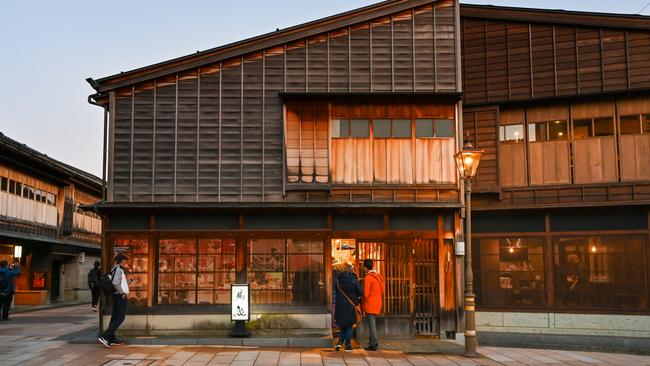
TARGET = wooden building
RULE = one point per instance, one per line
(272, 160)
(40, 213)
(560, 101)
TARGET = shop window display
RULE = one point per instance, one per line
(137, 268)
(286, 271)
(195, 272)
(599, 272)
(511, 272)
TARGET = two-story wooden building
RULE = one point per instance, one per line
(39, 214)
(560, 101)
(272, 160)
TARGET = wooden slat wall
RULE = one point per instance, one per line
(635, 157)
(512, 165)
(216, 133)
(480, 126)
(511, 60)
(123, 138)
(549, 162)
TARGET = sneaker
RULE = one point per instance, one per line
(103, 341)
(117, 342)
(337, 347)
(348, 349)
(94, 308)
(371, 348)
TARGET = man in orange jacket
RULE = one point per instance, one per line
(373, 293)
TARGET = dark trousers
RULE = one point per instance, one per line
(345, 335)
(95, 293)
(117, 317)
(372, 329)
(5, 304)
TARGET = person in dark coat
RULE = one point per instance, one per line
(7, 287)
(93, 283)
(345, 314)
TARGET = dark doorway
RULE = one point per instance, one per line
(56, 280)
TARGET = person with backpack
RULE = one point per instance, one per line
(7, 287)
(93, 283)
(373, 293)
(120, 301)
(346, 311)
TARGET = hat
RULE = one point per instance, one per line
(120, 257)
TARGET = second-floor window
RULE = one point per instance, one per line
(392, 144)
(26, 191)
(593, 127)
(511, 133)
(635, 124)
(547, 131)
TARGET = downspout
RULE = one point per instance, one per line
(92, 100)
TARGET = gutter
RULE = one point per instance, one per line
(92, 100)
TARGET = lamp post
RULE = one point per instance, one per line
(467, 161)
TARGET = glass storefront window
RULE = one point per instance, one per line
(286, 271)
(137, 268)
(510, 272)
(177, 271)
(599, 272)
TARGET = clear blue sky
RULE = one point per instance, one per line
(49, 48)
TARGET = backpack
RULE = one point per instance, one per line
(106, 283)
(5, 288)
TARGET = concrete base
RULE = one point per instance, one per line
(77, 295)
(633, 326)
(283, 342)
(565, 342)
(219, 325)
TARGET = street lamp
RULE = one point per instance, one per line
(467, 162)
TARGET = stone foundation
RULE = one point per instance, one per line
(637, 326)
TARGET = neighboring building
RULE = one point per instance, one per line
(272, 160)
(40, 215)
(560, 101)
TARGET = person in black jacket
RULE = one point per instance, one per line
(348, 296)
(93, 283)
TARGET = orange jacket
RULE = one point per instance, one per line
(373, 293)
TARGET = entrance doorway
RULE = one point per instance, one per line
(55, 287)
(409, 268)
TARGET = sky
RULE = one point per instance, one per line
(49, 48)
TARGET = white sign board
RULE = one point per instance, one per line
(460, 248)
(239, 302)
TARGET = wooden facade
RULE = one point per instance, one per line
(214, 133)
(344, 130)
(39, 211)
(559, 101)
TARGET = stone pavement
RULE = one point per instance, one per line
(38, 338)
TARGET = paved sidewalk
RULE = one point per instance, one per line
(16, 309)
(49, 353)
(41, 338)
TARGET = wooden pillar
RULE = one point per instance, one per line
(549, 281)
(460, 276)
(446, 282)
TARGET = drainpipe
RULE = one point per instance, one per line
(92, 100)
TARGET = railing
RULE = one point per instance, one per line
(88, 224)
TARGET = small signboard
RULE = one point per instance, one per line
(38, 280)
(239, 302)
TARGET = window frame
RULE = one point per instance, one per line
(592, 127)
(503, 134)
